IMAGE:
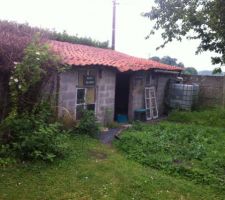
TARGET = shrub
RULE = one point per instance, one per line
(6, 155)
(45, 143)
(31, 136)
(88, 124)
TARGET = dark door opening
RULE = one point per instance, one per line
(122, 97)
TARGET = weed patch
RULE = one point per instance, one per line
(194, 152)
(209, 117)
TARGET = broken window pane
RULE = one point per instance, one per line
(80, 96)
(91, 107)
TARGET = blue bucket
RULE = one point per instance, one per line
(122, 118)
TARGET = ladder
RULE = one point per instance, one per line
(151, 103)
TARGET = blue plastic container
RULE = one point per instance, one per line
(122, 118)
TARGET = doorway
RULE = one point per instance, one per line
(122, 97)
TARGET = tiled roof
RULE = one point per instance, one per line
(81, 55)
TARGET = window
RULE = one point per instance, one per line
(85, 100)
(86, 93)
(81, 95)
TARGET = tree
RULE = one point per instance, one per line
(195, 19)
(15, 37)
(168, 60)
(190, 71)
(155, 58)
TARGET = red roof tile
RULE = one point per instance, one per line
(81, 55)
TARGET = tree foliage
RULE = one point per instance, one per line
(168, 60)
(75, 39)
(190, 71)
(14, 38)
(195, 19)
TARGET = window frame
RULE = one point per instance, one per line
(85, 103)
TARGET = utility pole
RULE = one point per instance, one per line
(114, 24)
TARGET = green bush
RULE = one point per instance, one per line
(6, 155)
(47, 142)
(88, 124)
(32, 136)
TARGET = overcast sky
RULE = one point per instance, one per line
(94, 18)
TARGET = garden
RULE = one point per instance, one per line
(189, 145)
(168, 160)
(43, 157)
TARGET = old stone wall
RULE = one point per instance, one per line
(211, 89)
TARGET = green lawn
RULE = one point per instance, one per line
(95, 171)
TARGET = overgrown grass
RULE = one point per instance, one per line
(192, 151)
(208, 117)
(94, 171)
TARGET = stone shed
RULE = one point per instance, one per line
(108, 82)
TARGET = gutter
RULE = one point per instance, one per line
(166, 71)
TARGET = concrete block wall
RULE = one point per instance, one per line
(161, 90)
(137, 91)
(105, 94)
(211, 89)
(106, 86)
(67, 93)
